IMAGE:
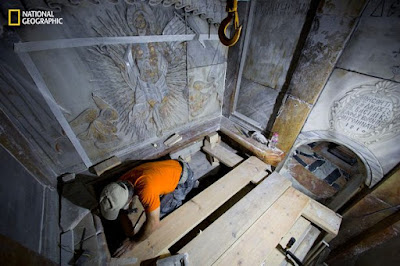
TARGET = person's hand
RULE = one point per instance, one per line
(126, 246)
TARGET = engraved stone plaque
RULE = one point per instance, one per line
(368, 113)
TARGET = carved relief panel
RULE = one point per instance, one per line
(117, 96)
(368, 113)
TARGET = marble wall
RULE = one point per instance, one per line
(269, 50)
(114, 97)
(360, 101)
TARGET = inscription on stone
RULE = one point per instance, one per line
(368, 113)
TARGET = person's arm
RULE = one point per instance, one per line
(151, 224)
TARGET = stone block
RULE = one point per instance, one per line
(68, 177)
(104, 253)
(256, 101)
(269, 54)
(71, 214)
(51, 230)
(67, 248)
(84, 230)
(289, 122)
(321, 51)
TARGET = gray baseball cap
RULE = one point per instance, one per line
(113, 198)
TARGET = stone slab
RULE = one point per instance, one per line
(71, 214)
(67, 248)
(289, 122)
(385, 149)
(21, 202)
(256, 101)
(206, 90)
(321, 51)
(270, 53)
(51, 228)
(374, 48)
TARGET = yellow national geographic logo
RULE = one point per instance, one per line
(14, 17)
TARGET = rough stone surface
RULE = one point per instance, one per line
(323, 46)
(324, 43)
(382, 202)
(84, 231)
(71, 214)
(290, 121)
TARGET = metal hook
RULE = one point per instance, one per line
(231, 8)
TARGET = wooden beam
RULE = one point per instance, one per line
(207, 247)
(323, 217)
(306, 244)
(269, 156)
(254, 245)
(299, 230)
(223, 155)
(185, 218)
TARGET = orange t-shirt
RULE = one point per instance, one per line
(151, 180)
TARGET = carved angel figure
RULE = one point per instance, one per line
(144, 82)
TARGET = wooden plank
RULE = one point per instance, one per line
(207, 247)
(298, 231)
(105, 165)
(213, 139)
(255, 244)
(185, 218)
(306, 244)
(173, 140)
(224, 155)
(323, 217)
